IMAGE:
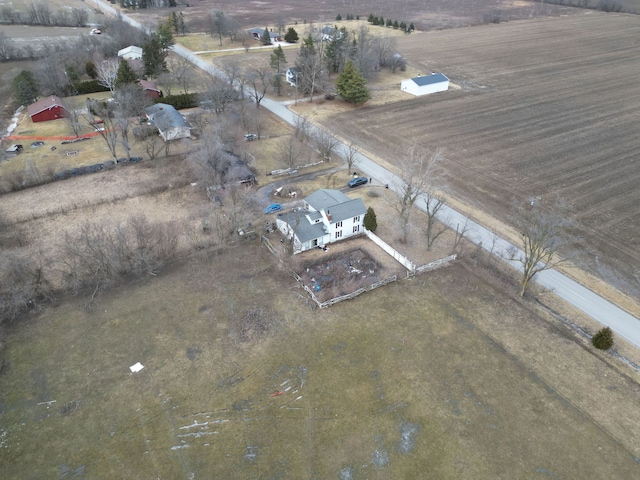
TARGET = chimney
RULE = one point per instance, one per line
(329, 215)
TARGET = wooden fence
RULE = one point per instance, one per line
(404, 261)
(348, 296)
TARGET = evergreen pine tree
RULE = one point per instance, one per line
(154, 57)
(25, 87)
(370, 221)
(395, 24)
(125, 75)
(291, 36)
(165, 33)
(371, 18)
(265, 39)
(351, 85)
(603, 340)
(278, 60)
(90, 68)
(338, 17)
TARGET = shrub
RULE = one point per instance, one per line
(185, 100)
(603, 340)
(370, 221)
(90, 86)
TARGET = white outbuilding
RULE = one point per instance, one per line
(131, 53)
(423, 85)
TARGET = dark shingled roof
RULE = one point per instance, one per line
(165, 116)
(430, 79)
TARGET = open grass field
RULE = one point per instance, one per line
(429, 14)
(546, 107)
(441, 375)
(448, 375)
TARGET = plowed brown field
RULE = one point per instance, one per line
(545, 107)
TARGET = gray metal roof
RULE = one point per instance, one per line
(430, 79)
(345, 210)
(325, 198)
(303, 229)
(165, 117)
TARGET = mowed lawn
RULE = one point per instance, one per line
(408, 381)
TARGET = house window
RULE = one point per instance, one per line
(356, 228)
(338, 224)
(339, 234)
(356, 219)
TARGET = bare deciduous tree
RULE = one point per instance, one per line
(73, 118)
(180, 71)
(326, 143)
(218, 24)
(107, 71)
(217, 95)
(302, 129)
(310, 64)
(153, 145)
(98, 254)
(461, 232)
(351, 156)
(100, 117)
(258, 81)
(419, 175)
(542, 234)
(433, 205)
(211, 161)
(364, 56)
(23, 282)
(130, 102)
(289, 149)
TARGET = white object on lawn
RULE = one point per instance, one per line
(136, 368)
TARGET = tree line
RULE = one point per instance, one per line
(40, 13)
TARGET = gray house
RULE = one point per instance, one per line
(169, 122)
(327, 216)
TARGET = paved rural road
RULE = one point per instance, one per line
(598, 308)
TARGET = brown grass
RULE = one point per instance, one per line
(474, 374)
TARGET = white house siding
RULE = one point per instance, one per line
(346, 228)
(176, 133)
(410, 86)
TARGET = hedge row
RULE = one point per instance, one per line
(84, 88)
(185, 100)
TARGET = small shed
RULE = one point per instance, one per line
(48, 108)
(130, 53)
(424, 85)
(170, 123)
(149, 88)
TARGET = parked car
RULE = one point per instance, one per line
(274, 207)
(249, 137)
(358, 181)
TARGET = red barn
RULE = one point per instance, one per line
(149, 88)
(48, 108)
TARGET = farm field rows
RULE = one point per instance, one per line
(545, 107)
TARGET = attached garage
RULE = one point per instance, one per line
(48, 108)
(424, 85)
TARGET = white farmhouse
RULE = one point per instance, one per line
(131, 53)
(423, 85)
(291, 76)
(327, 216)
